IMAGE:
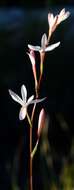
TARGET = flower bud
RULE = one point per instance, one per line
(63, 15)
(41, 122)
(54, 21)
(32, 59)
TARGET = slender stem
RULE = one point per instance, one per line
(34, 107)
(40, 79)
(29, 120)
(30, 179)
(42, 57)
(49, 36)
(32, 117)
(33, 111)
(30, 151)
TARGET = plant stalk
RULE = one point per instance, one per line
(30, 177)
(30, 151)
(32, 117)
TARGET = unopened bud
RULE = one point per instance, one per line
(41, 122)
(32, 59)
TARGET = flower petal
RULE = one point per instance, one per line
(67, 14)
(62, 12)
(44, 41)
(15, 97)
(24, 93)
(22, 113)
(51, 47)
(30, 100)
(63, 16)
(50, 17)
(37, 101)
(34, 48)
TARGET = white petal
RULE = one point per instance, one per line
(32, 59)
(22, 113)
(30, 100)
(51, 47)
(15, 97)
(37, 100)
(44, 41)
(55, 20)
(34, 48)
(50, 19)
(24, 93)
(63, 16)
(67, 14)
(62, 12)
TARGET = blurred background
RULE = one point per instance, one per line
(23, 22)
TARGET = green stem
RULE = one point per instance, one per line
(29, 120)
(35, 149)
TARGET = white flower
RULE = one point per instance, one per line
(54, 21)
(63, 15)
(23, 101)
(44, 47)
